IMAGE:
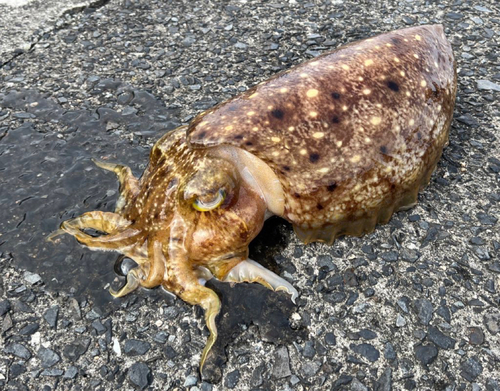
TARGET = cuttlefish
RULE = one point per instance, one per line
(334, 145)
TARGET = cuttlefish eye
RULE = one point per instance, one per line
(210, 203)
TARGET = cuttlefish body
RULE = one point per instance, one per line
(334, 146)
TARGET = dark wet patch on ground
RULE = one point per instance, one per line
(48, 177)
(246, 304)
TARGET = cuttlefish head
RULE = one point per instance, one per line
(190, 217)
(222, 212)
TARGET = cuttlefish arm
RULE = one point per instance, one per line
(182, 278)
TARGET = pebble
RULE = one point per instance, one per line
(488, 85)
(310, 368)
(426, 354)
(232, 379)
(18, 350)
(191, 380)
(281, 366)
(74, 350)
(471, 369)
(400, 321)
(389, 352)
(139, 375)
(424, 310)
(48, 358)
(4, 307)
(366, 350)
(135, 347)
(385, 380)
(476, 335)
(356, 385)
(330, 339)
(52, 372)
(492, 322)
(31, 278)
(438, 338)
(16, 369)
(71, 372)
(51, 316)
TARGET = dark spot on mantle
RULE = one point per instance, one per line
(393, 85)
(335, 119)
(319, 206)
(286, 168)
(313, 157)
(331, 186)
(238, 137)
(335, 95)
(278, 114)
(248, 143)
(383, 149)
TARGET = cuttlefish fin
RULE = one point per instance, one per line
(117, 230)
(129, 185)
(251, 271)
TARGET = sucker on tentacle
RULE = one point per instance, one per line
(335, 146)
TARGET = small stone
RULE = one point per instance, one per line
(191, 380)
(139, 375)
(18, 350)
(492, 322)
(492, 385)
(385, 381)
(341, 381)
(424, 310)
(486, 219)
(468, 120)
(51, 316)
(476, 335)
(98, 326)
(400, 321)
(471, 369)
(281, 367)
(4, 307)
(487, 85)
(389, 352)
(29, 329)
(356, 385)
(52, 372)
(135, 347)
(74, 350)
(71, 372)
(16, 369)
(440, 339)
(32, 278)
(232, 379)
(309, 350)
(404, 304)
(48, 357)
(310, 368)
(366, 350)
(426, 354)
(367, 334)
(389, 256)
(330, 339)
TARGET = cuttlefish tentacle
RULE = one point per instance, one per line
(251, 271)
(147, 274)
(129, 184)
(118, 231)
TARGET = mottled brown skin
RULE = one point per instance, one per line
(352, 134)
(351, 137)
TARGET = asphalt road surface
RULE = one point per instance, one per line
(412, 306)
